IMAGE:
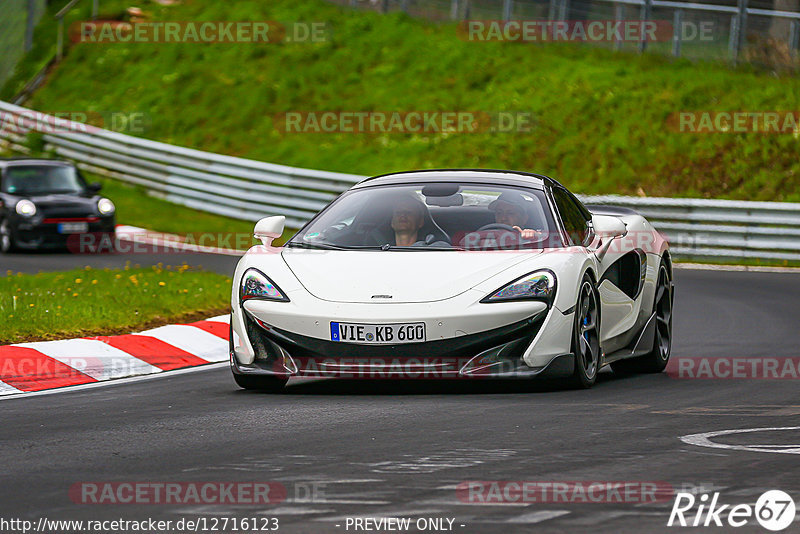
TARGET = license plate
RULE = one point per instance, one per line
(73, 228)
(376, 334)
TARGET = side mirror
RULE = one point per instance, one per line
(94, 187)
(608, 226)
(269, 228)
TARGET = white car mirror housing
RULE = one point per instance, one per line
(608, 226)
(269, 228)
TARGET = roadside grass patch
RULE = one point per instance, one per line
(88, 302)
(601, 119)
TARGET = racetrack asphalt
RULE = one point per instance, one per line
(398, 448)
(33, 262)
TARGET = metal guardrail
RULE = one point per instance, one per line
(225, 185)
(247, 189)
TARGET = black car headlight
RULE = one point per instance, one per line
(257, 285)
(26, 208)
(538, 285)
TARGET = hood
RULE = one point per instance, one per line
(62, 199)
(355, 276)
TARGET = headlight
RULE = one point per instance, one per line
(26, 208)
(105, 206)
(539, 285)
(256, 285)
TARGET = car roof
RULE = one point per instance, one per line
(15, 162)
(488, 176)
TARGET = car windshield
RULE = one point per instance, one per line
(434, 216)
(41, 180)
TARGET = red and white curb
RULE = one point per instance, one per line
(43, 365)
(168, 242)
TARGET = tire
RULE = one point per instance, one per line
(586, 336)
(656, 360)
(6, 239)
(270, 384)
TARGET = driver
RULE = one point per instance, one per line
(408, 217)
(512, 209)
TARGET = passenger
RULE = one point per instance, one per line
(511, 209)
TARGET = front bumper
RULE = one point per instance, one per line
(496, 353)
(31, 235)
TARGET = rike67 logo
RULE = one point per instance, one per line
(774, 510)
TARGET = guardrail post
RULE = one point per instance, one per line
(466, 10)
(508, 6)
(794, 36)
(677, 31)
(618, 14)
(551, 11)
(741, 28)
(60, 39)
(384, 6)
(647, 9)
(29, 24)
(95, 8)
(563, 9)
(454, 9)
(404, 6)
(733, 37)
(353, 3)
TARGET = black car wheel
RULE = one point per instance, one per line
(269, 384)
(6, 239)
(586, 336)
(656, 360)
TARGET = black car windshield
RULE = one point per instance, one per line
(41, 180)
(434, 216)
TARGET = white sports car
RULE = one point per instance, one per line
(453, 273)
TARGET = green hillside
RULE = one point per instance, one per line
(600, 118)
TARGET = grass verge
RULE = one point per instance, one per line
(87, 302)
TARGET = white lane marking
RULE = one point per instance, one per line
(751, 268)
(193, 340)
(456, 502)
(537, 517)
(704, 440)
(286, 510)
(458, 458)
(94, 358)
(119, 381)
(6, 389)
(350, 501)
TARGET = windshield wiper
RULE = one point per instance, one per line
(326, 246)
(409, 247)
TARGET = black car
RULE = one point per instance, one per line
(48, 204)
